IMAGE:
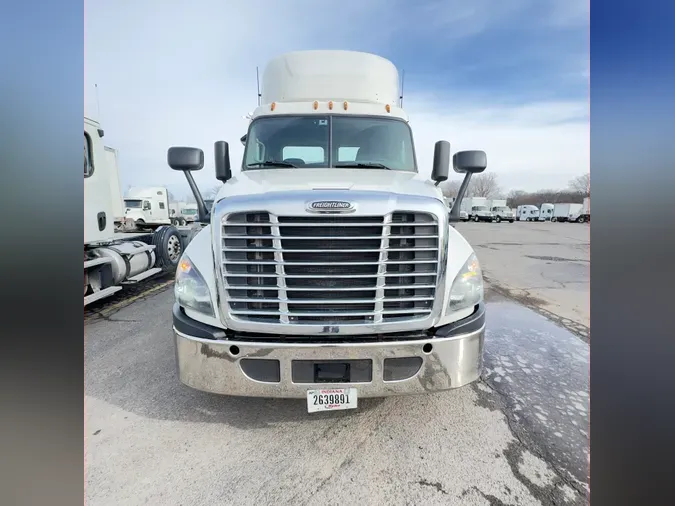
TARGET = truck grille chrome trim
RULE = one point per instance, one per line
(333, 274)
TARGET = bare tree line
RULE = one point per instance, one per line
(487, 185)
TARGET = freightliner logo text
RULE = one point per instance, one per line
(331, 205)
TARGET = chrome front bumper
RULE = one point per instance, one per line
(454, 359)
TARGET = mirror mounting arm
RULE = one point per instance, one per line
(454, 212)
(204, 214)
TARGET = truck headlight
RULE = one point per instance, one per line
(467, 288)
(190, 288)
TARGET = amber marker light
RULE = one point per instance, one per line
(273, 106)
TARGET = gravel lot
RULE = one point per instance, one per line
(518, 436)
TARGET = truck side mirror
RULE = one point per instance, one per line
(182, 158)
(221, 150)
(441, 167)
(469, 161)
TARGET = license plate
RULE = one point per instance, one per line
(331, 399)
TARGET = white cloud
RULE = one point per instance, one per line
(184, 74)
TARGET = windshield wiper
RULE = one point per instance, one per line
(359, 165)
(270, 163)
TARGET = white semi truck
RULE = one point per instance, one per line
(329, 270)
(501, 211)
(111, 156)
(527, 212)
(546, 212)
(113, 258)
(147, 207)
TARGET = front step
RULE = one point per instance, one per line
(142, 276)
(101, 294)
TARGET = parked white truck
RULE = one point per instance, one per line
(566, 212)
(583, 215)
(111, 159)
(477, 208)
(114, 258)
(329, 271)
(501, 211)
(148, 207)
(527, 212)
(546, 212)
(189, 213)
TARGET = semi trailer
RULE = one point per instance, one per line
(113, 258)
(327, 269)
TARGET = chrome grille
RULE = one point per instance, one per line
(330, 270)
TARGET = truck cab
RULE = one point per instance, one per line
(189, 213)
(501, 211)
(147, 207)
(478, 209)
(546, 212)
(328, 269)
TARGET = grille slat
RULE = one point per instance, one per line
(330, 269)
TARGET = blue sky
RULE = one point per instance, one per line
(508, 77)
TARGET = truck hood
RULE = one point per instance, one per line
(253, 182)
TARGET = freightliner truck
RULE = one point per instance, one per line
(328, 269)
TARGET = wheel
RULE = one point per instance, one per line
(168, 247)
(475, 218)
(554, 219)
(511, 221)
(182, 222)
(581, 219)
(498, 219)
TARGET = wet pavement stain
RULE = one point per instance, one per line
(557, 259)
(536, 374)
(494, 291)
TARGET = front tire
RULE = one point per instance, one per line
(498, 219)
(476, 219)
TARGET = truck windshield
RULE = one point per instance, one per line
(189, 212)
(329, 141)
(133, 204)
(480, 208)
(501, 209)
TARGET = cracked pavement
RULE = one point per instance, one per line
(519, 436)
(544, 266)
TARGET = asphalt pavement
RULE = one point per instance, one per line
(519, 436)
